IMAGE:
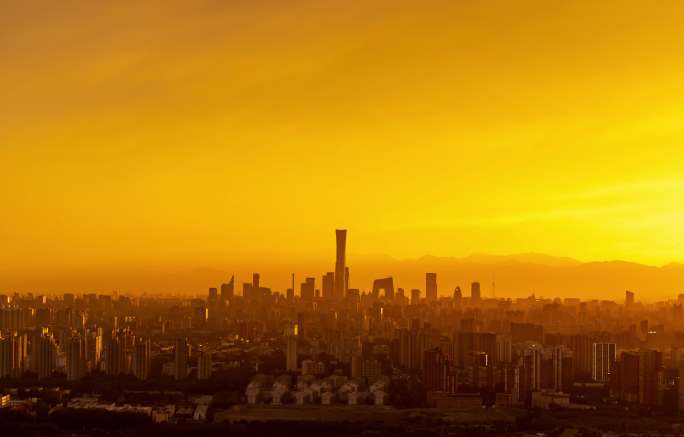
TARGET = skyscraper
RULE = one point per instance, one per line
(602, 361)
(291, 348)
(141, 359)
(629, 298)
(227, 290)
(75, 358)
(43, 354)
(306, 290)
(181, 359)
(13, 352)
(204, 365)
(328, 287)
(114, 356)
(431, 286)
(475, 292)
(340, 267)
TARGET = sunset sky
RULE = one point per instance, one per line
(185, 134)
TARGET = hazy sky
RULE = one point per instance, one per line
(163, 134)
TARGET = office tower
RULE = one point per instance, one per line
(628, 376)
(291, 347)
(14, 319)
(75, 358)
(13, 354)
(472, 344)
(435, 369)
(228, 290)
(412, 343)
(415, 296)
(142, 361)
(522, 332)
(532, 364)
(204, 365)
(629, 298)
(181, 359)
(68, 299)
(475, 292)
(557, 362)
(328, 288)
(43, 354)
(650, 368)
(340, 267)
(504, 349)
(582, 349)
(458, 296)
(93, 350)
(431, 286)
(114, 356)
(307, 288)
(213, 296)
(602, 361)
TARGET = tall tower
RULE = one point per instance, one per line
(341, 236)
(141, 359)
(431, 286)
(181, 359)
(291, 347)
(75, 358)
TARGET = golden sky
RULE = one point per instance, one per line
(161, 134)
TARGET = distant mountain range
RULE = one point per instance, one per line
(513, 275)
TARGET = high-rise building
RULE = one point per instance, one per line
(13, 354)
(629, 298)
(307, 288)
(458, 296)
(602, 361)
(43, 354)
(75, 358)
(340, 266)
(228, 290)
(204, 365)
(114, 356)
(213, 296)
(650, 368)
(557, 361)
(142, 362)
(181, 359)
(291, 347)
(415, 296)
(93, 349)
(435, 370)
(328, 287)
(475, 292)
(532, 364)
(628, 372)
(431, 286)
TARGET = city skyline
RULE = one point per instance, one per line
(514, 276)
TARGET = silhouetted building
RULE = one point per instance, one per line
(603, 361)
(181, 353)
(291, 353)
(415, 296)
(328, 287)
(475, 292)
(629, 298)
(340, 267)
(431, 286)
(75, 358)
(228, 290)
(142, 360)
(204, 365)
